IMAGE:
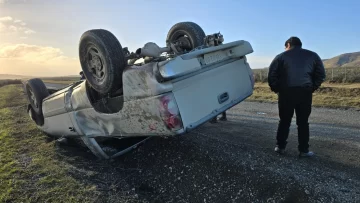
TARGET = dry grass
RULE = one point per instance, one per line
(328, 95)
(334, 75)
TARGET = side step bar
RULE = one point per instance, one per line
(98, 151)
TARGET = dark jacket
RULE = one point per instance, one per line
(296, 67)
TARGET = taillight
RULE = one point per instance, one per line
(170, 113)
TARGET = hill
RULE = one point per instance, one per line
(13, 77)
(343, 60)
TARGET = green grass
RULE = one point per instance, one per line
(328, 95)
(30, 167)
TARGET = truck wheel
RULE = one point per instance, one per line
(190, 34)
(102, 60)
(36, 91)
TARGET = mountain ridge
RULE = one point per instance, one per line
(351, 59)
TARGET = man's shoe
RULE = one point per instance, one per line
(279, 150)
(306, 154)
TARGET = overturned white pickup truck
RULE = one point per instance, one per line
(152, 92)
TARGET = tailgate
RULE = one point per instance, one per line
(208, 92)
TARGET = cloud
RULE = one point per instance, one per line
(30, 53)
(2, 27)
(6, 19)
(29, 32)
(13, 1)
(20, 22)
(13, 28)
(9, 26)
(36, 60)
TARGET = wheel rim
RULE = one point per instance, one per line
(33, 98)
(183, 39)
(30, 114)
(185, 43)
(96, 66)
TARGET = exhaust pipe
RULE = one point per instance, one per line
(151, 49)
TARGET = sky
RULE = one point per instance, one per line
(41, 37)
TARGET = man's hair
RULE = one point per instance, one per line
(293, 41)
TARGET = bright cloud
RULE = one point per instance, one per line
(9, 26)
(12, 1)
(2, 27)
(6, 19)
(20, 22)
(29, 32)
(36, 60)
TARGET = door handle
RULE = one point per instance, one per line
(223, 97)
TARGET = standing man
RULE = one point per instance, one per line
(294, 75)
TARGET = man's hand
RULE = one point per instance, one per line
(319, 72)
(314, 89)
(273, 75)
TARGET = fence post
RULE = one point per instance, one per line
(345, 74)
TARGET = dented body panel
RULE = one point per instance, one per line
(137, 117)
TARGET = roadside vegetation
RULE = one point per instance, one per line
(9, 82)
(30, 167)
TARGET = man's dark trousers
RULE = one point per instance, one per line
(298, 99)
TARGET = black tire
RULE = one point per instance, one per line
(193, 31)
(99, 48)
(36, 92)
